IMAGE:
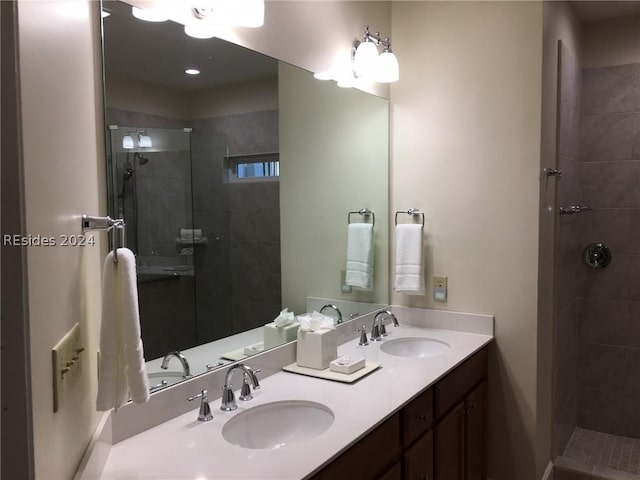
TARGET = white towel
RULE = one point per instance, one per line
(359, 272)
(122, 369)
(409, 278)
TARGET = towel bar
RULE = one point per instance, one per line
(414, 212)
(365, 212)
(107, 224)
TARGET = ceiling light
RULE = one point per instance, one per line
(156, 14)
(192, 71)
(201, 30)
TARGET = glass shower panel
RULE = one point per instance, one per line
(151, 190)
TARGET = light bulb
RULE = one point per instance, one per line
(144, 140)
(244, 13)
(365, 59)
(201, 29)
(388, 68)
(156, 14)
(127, 141)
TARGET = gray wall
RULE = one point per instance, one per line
(609, 173)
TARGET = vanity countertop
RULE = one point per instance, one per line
(184, 448)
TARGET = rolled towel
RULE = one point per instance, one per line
(409, 275)
(122, 368)
(359, 271)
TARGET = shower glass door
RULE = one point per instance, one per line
(151, 188)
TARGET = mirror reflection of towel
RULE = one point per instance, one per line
(409, 275)
(360, 256)
(122, 369)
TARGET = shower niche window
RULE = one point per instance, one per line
(256, 167)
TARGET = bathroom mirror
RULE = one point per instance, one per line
(236, 186)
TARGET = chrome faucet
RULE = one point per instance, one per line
(378, 330)
(228, 398)
(328, 305)
(183, 361)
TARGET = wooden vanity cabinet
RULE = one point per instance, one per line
(440, 434)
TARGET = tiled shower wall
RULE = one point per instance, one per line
(609, 177)
(238, 274)
(570, 273)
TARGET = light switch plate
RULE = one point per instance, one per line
(66, 361)
(440, 289)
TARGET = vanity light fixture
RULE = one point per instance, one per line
(127, 141)
(368, 64)
(105, 13)
(144, 140)
(154, 14)
(207, 21)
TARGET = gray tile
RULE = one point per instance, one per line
(612, 282)
(242, 224)
(608, 137)
(267, 224)
(610, 184)
(611, 227)
(611, 89)
(600, 409)
(605, 322)
(603, 366)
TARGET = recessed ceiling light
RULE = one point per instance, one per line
(192, 71)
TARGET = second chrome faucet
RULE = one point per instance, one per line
(228, 398)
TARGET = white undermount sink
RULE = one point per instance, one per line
(415, 347)
(277, 424)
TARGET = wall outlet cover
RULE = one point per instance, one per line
(440, 289)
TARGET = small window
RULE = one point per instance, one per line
(253, 168)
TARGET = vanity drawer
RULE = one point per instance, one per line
(451, 389)
(417, 417)
(370, 457)
(418, 460)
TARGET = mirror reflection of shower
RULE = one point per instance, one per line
(128, 176)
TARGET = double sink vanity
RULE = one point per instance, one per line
(422, 413)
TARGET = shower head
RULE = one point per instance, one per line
(141, 160)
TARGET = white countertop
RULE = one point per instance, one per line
(184, 448)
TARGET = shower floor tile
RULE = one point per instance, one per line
(609, 456)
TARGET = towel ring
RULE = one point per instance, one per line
(414, 212)
(365, 212)
(107, 224)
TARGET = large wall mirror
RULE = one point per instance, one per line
(236, 186)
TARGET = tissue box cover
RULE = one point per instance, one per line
(317, 349)
(274, 336)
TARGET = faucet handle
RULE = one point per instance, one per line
(245, 391)
(204, 415)
(363, 336)
(376, 336)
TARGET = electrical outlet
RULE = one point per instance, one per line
(440, 289)
(66, 362)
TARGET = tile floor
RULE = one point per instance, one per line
(607, 455)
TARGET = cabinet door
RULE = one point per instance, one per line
(449, 445)
(476, 433)
(418, 460)
(417, 417)
(394, 473)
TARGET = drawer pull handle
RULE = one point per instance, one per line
(424, 417)
(424, 477)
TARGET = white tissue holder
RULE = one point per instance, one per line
(274, 336)
(317, 349)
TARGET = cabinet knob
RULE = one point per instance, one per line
(424, 476)
(424, 417)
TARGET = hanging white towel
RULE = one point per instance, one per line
(122, 372)
(409, 278)
(359, 272)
